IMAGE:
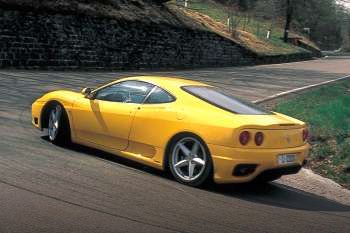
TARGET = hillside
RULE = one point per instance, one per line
(249, 32)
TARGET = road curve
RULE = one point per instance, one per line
(45, 188)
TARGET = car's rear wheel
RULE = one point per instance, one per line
(58, 125)
(190, 161)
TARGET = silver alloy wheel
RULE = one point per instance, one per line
(54, 122)
(189, 159)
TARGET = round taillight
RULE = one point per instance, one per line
(259, 138)
(305, 135)
(244, 137)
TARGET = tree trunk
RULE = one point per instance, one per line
(346, 35)
(288, 20)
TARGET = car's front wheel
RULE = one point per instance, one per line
(58, 125)
(190, 161)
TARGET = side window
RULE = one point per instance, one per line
(125, 92)
(159, 96)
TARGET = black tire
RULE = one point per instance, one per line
(62, 136)
(205, 175)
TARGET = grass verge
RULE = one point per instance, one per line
(327, 111)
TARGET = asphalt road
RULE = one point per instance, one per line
(45, 188)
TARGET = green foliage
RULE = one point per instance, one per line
(321, 151)
(216, 12)
(344, 152)
(327, 111)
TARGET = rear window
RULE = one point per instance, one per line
(225, 101)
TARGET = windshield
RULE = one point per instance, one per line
(224, 101)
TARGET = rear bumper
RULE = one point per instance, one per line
(276, 172)
(225, 160)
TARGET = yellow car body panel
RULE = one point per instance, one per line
(141, 132)
(108, 123)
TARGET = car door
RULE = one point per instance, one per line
(152, 123)
(106, 118)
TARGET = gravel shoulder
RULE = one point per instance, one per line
(307, 181)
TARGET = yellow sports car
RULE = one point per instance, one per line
(193, 129)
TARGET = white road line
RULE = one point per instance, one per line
(298, 90)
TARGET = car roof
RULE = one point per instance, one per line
(165, 81)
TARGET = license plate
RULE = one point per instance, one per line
(286, 159)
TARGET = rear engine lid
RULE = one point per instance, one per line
(273, 121)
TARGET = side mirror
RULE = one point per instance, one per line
(87, 92)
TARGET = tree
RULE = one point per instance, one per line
(324, 19)
(289, 15)
(346, 32)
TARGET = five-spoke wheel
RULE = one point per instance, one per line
(54, 122)
(190, 160)
(58, 125)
